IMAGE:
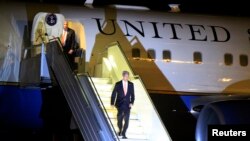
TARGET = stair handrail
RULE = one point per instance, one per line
(123, 53)
(102, 105)
(158, 115)
(138, 77)
(78, 82)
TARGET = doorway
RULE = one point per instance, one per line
(80, 43)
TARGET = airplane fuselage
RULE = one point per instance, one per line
(185, 53)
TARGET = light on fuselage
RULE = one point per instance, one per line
(225, 79)
(167, 60)
(174, 8)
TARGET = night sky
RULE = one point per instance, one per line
(214, 7)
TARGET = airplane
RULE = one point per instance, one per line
(187, 62)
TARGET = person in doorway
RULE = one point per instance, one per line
(68, 44)
(123, 98)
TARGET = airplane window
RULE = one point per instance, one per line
(136, 53)
(228, 58)
(197, 58)
(243, 60)
(151, 54)
(166, 55)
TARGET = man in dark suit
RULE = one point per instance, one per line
(68, 44)
(123, 98)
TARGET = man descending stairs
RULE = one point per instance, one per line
(135, 131)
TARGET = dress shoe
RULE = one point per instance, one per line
(119, 133)
(124, 137)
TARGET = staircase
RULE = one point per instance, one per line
(80, 96)
(135, 131)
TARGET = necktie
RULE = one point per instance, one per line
(63, 37)
(125, 88)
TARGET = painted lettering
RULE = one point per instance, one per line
(99, 25)
(155, 30)
(215, 33)
(196, 31)
(173, 26)
(140, 31)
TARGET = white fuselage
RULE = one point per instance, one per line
(182, 35)
(193, 33)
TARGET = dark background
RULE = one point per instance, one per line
(215, 7)
(179, 122)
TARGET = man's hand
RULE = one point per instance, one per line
(130, 105)
(71, 51)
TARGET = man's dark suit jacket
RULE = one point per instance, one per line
(70, 40)
(119, 99)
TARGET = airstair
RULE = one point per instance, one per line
(145, 123)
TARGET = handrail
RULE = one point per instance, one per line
(139, 78)
(60, 43)
(74, 99)
(102, 125)
(105, 111)
(33, 47)
(39, 46)
(123, 54)
(116, 44)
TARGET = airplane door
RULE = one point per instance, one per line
(47, 26)
(80, 42)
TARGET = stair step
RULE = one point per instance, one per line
(113, 113)
(98, 80)
(111, 116)
(104, 87)
(135, 137)
(105, 94)
(100, 84)
(106, 104)
(132, 123)
(105, 101)
(135, 131)
(105, 97)
(138, 130)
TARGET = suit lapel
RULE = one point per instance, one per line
(68, 34)
(128, 88)
(121, 86)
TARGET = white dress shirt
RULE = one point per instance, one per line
(125, 83)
